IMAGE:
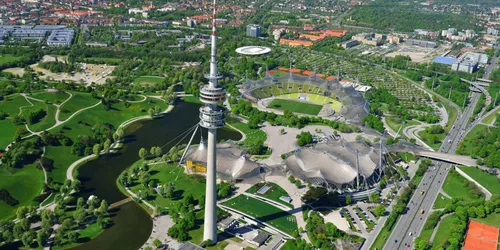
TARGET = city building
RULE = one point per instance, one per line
(58, 35)
(349, 44)
(191, 23)
(469, 62)
(421, 43)
(368, 39)
(253, 30)
(492, 31)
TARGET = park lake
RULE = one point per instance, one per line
(132, 225)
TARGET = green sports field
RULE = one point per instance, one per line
(264, 212)
(299, 107)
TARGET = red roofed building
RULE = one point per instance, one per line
(481, 237)
(295, 43)
(201, 18)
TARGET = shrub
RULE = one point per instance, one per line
(5, 196)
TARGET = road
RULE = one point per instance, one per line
(413, 221)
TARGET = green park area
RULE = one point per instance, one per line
(64, 144)
(293, 106)
(78, 101)
(432, 140)
(148, 80)
(23, 184)
(492, 219)
(8, 58)
(397, 124)
(457, 186)
(452, 115)
(487, 180)
(444, 231)
(273, 193)
(441, 201)
(165, 174)
(51, 97)
(254, 140)
(264, 212)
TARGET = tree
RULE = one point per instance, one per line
(291, 178)
(28, 238)
(80, 215)
(374, 197)
(379, 210)
(107, 146)
(143, 153)
(80, 203)
(8, 236)
(348, 199)
(97, 149)
(151, 112)
(73, 237)
(298, 183)
(156, 243)
(41, 238)
(103, 208)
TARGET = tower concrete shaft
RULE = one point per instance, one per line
(212, 118)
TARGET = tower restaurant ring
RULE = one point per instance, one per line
(253, 50)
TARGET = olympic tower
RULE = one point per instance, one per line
(212, 118)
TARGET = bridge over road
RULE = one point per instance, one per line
(456, 159)
(463, 160)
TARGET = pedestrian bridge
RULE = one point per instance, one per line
(455, 159)
(450, 158)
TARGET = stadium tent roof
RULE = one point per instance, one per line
(354, 105)
(444, 60)
(334, 162)
(232, 162)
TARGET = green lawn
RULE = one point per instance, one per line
(492, 219)
(7, 132)
(57, 97)
(8, 58)
(441, 202)
(11, 104)
(79, 101)
(299, 107)
(46, 122)
(382, 237)
(273, 194)
(454, 186)
(490, 118)
(149, 80)
(184, 184)
(426, 234)
(289, 245)
(452, 115)
(252, 135)
(86, 234)
(443, 231)
(440, 137)
(64, 159)
(488, 181)
(24, 184)
(115, 116)
(466, 145)
(264, 212)
(395, 123)
(193, 99)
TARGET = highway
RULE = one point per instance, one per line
(412, 221)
